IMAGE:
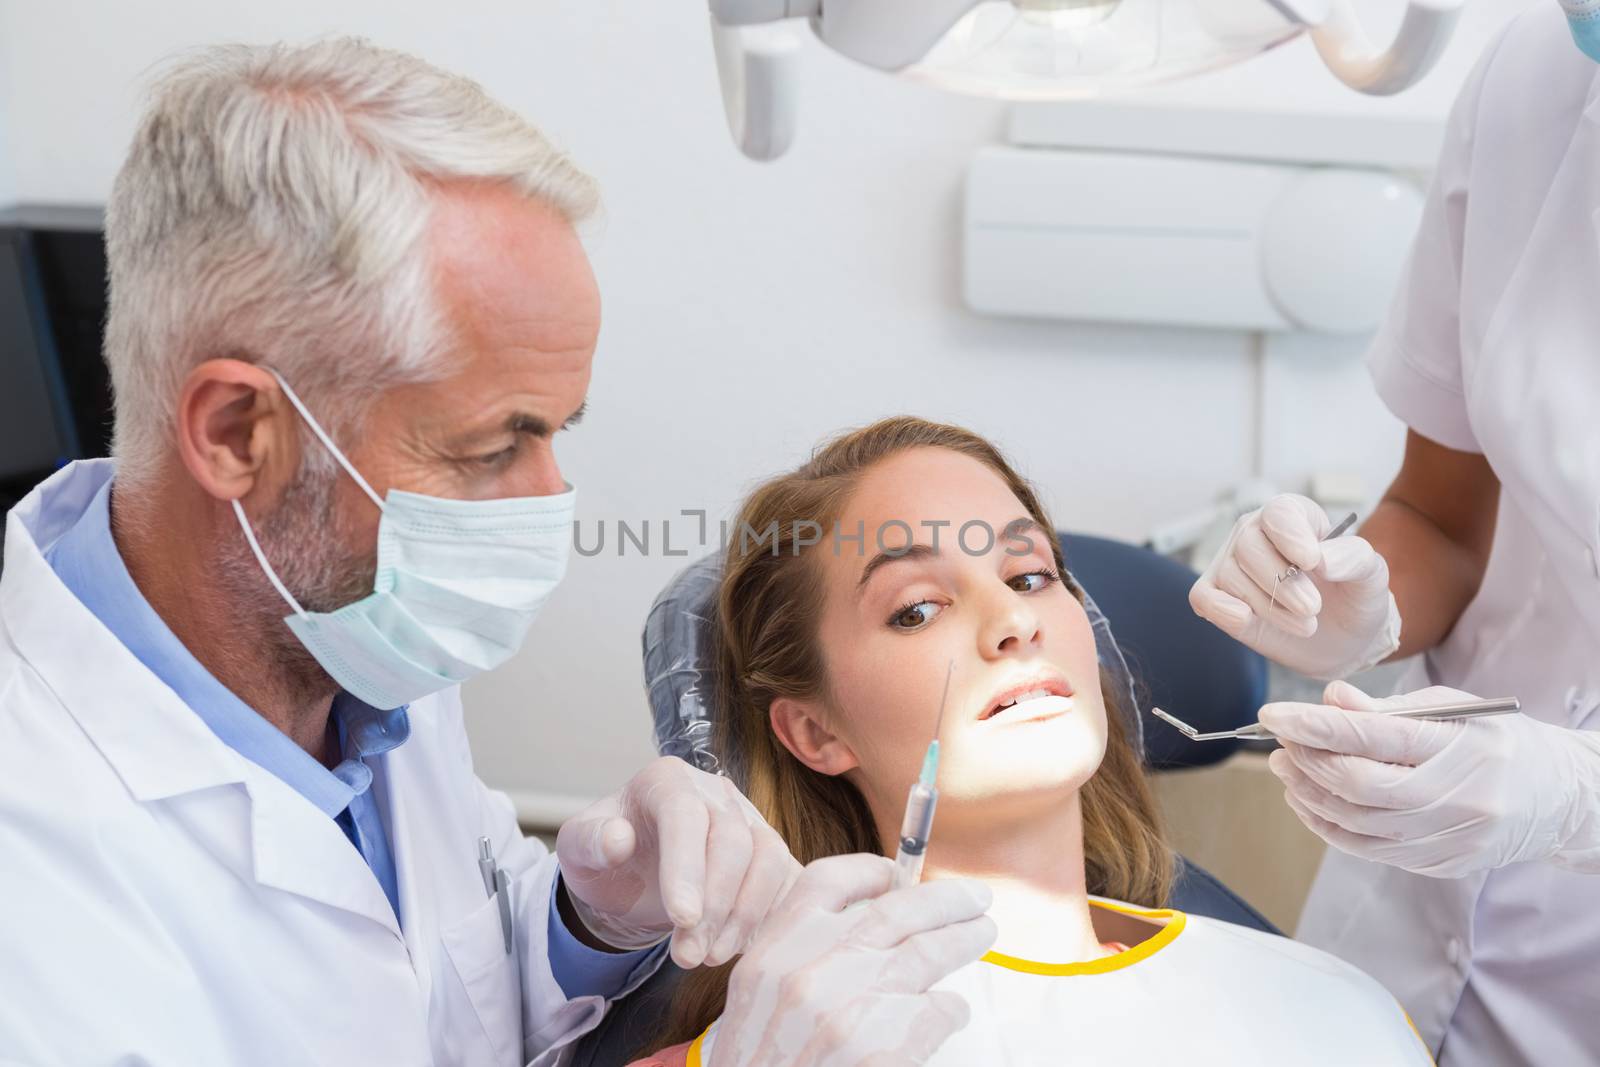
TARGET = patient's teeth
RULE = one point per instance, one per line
(1022, 698)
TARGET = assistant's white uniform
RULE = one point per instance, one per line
(1493, 346)
(166, 902)
(1196, 991)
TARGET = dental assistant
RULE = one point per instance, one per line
(1467, 867)
(238, 818)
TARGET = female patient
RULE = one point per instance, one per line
(832, 660)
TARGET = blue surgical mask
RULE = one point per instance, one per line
(458, 583)
(1583, 19)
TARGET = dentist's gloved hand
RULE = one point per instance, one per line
(677, 852)
(827, 985)
(1438, 798)
(1334, 618)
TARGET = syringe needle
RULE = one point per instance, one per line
(930, 762)
(943, 699)
(920, 804)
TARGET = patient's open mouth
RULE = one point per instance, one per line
(1034, 699)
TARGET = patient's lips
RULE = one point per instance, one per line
(1041, 697)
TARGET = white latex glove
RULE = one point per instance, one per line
(677, 852)
(1438, 798)
(1334, 618)
(827, 985)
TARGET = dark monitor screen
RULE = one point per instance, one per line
(31, 438)
(55, 397)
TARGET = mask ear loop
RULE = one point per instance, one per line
(261, 558)
(322, 435)
(333, 449)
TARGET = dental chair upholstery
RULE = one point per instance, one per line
(1183, 664)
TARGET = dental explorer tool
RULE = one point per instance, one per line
(1294, 568)
(1471, 709)
(919, 806)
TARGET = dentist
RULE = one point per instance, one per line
(1470, 852)
(238, 818)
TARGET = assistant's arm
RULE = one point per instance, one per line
(1435, 527)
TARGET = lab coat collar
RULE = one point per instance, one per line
(421, 927)
(155, 742)
(298, 849)
(84, 664)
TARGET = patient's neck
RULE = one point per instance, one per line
(1035, 867)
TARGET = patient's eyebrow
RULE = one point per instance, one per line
(1019, 530)
(910, 552)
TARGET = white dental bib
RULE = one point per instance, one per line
(1190, 990)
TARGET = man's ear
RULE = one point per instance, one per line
(234, 426)
(801, 729)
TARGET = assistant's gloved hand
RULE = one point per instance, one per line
(677, 852)
(1438, 798)
(1334, 618)
(826, 985)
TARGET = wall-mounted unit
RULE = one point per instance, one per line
(1170, 216)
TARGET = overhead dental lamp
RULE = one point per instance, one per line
(1046, 49)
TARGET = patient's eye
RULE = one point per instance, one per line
(914, 616)
(1034, 581)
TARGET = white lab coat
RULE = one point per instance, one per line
(166, 902)
(1191, 991)
(1493, 346)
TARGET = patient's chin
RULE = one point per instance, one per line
(1045, 760)
(991, 810)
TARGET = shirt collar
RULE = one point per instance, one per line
(86, 560)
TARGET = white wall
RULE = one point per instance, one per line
(7, 147)
(7, 185)
(752, 309)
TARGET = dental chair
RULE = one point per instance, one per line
(1183, 664)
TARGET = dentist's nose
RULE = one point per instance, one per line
(546, 479)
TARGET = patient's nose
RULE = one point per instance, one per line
(1010, 626)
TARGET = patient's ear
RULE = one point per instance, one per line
(801, 730)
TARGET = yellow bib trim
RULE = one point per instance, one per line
(1163, 937)
(1175, 921)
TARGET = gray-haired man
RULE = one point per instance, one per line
(238, 818)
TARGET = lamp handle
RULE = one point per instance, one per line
(758, 69)
(1354, 60)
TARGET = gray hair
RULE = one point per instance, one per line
(272, 208)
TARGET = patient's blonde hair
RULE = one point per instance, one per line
(769, 609)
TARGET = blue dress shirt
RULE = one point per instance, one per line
(86, 560)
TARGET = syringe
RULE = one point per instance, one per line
(924, 797)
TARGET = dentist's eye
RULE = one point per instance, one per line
(914, 616)
(496, 460)
(1034, 581)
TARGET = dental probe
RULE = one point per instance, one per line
(919, 806)
(1338, 531)
(1294, 568)
(1471, 709)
